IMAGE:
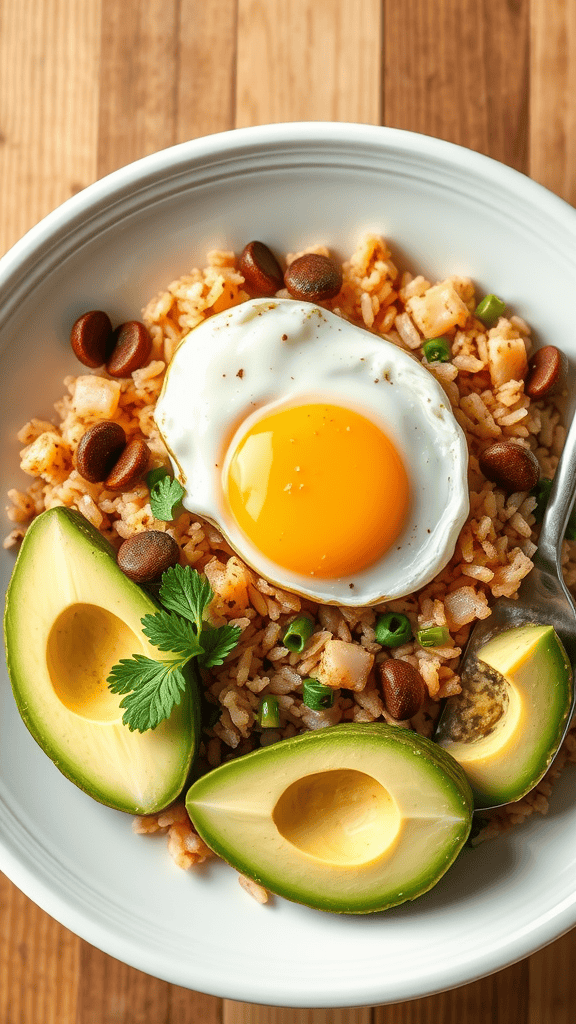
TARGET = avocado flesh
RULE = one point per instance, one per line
(70, 615)
(351, 819)
(506, 726)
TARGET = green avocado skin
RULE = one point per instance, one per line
(184, 723)
(374, 737)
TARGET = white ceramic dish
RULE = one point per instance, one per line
(113, 246)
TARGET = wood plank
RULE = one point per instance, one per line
(178, 82)
(308, 60)
(552, 991)
(49, 87)
(245, 1013)
(458, 69)
(111, 991)
(38, 963)
(553, 96)
(500, 999)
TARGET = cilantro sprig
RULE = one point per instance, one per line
(165, 494)
(152, 688)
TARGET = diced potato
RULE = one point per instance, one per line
(507, 359)
(438, 310)
(96, 398)
(344, 665)
(48, 456)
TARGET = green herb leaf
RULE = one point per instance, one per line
(186, 592)
(152, 688)
(165, 495)
(216, 643)
(169, 632)
(155, 475)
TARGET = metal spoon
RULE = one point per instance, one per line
(543, 596)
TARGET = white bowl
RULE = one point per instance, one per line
(113, 246)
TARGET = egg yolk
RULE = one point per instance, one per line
(318, 489)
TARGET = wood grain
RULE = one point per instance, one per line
(458, 69)
(308, 61)
(49, 67)
(39, 963)
(552, 96)
(88, 85)
(245, 1013)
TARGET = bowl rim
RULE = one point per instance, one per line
(28, 258)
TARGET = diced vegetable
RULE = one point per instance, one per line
(298, 634)
(489, 310)
(437, 350)
(393, 629)
(345, 665)
(268, 713)
(434, 636)
(316, 695)
(438, 310)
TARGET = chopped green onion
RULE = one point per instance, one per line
(298, 634)
(542, 493)
(489, 310)
(316, 695)
(437, 350)
(434, 636)
(268, 714)
(393, 630)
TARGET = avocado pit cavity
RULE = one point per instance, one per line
(84, 643)
(342, 817)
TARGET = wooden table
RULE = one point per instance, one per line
(89, 85)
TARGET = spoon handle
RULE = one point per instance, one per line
(559, 505)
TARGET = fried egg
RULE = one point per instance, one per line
(328, 457)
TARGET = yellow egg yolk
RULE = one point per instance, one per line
(318, 489)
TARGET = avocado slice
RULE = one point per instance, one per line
(508, 722)
(351, 819)
(70, 615)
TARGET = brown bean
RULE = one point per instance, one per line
(403, 688)
(313, 278)
(145, 556)
(91, 338)
(99, 449)
(261, 270)
(510, 466)
(132, 346)
(545, 371)
(131, 465)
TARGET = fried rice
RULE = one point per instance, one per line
(492, 556)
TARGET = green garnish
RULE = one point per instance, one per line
(165, 494)
(542, 494)
(489, 309)
(152, 687)
(155, 475)
(434, 636)
(268, 713)
(437, 350)
(317, 696)
(298, 634)
(393, 630)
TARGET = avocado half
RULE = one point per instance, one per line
(352, 819)
(508, 722)
(70, 615)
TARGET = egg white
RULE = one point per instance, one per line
(268, 353)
